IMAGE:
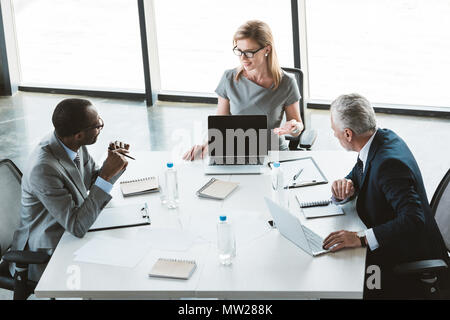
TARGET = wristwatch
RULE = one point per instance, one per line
(362, 237)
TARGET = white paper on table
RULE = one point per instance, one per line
(167, 239)
(248, 229)
(121, 216)
(247, 226)
(204, 225)
(112, 251)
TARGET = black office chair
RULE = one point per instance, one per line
(10, 195)
(432, 273)
(306, 139)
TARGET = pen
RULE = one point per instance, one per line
(303, 184)
(146, 215)
(122, 153)
(298, 174)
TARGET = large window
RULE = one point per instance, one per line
(195, 38)
(80, 44)
(395, 52)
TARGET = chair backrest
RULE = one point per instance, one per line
(440, 205)
(10, 202)
(298, 74)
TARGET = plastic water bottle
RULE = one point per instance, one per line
(278, 187)
(162, 188)
(226, 244)
(171, 187)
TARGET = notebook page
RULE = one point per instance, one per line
(119, 216)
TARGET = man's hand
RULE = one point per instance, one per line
(341, 239)
(119, 145)
(115, 162)
(342, 189)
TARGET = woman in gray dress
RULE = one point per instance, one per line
(258, 86)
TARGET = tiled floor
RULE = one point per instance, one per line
(26, 118)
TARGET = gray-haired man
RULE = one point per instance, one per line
(391, 202)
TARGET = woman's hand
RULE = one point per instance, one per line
(199, 151)
(292, 127)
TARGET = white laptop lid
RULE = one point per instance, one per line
(288, 225)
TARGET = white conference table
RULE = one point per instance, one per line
(266, 266)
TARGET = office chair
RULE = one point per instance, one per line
(10, 196)
(306, 139)
(432, 273)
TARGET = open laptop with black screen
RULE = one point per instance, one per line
(237, 144)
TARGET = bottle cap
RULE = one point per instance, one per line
(169, 164)
(276, 164)
(223, 218)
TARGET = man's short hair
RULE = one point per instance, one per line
(354, 112)
(70, 116)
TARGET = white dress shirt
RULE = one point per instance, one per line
(99, 182)
(363, 154)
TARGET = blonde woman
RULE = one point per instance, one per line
(257, 86)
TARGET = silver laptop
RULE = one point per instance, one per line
(237, 144)
(292, 229)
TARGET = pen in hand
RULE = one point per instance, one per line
(125, 155)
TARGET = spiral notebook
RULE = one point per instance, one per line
(173, 268)
(139, 186)
(217, 189)
(319, 208)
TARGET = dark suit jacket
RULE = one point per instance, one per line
(392, 201)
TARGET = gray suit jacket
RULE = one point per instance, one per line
(56, 196)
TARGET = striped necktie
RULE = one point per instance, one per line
(77, 161)
(359, 171)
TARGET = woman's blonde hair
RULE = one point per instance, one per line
(260, 32)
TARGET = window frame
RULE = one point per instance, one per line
(150, 63)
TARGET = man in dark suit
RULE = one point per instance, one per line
(391, 202)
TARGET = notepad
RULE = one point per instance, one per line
(318, 203)
(139, 186)
(319, 208)
(217, 189)
(173, 268)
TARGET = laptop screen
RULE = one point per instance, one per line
(236, 136)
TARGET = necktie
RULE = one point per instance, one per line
(77, 161)
(359, 171)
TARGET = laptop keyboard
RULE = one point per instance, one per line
(315, 242)
(236, 161)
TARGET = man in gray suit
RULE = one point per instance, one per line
(62, 188)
